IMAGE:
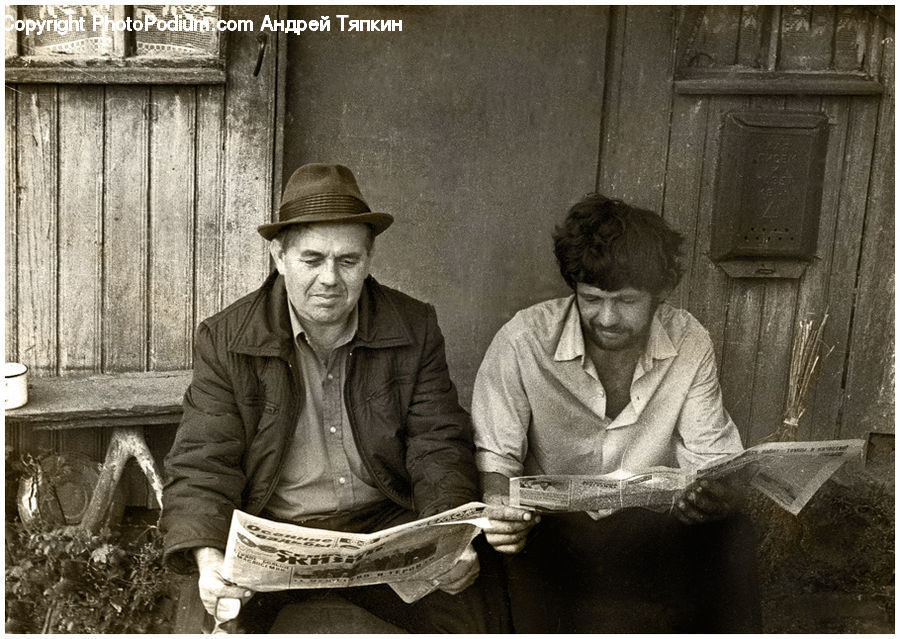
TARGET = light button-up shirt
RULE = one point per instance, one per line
(538, 406)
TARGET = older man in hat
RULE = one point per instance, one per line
(323, 399)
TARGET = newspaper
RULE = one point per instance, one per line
(264, 555)
(789, 473)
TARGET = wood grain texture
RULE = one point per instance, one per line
(11, 219)
(209, 224)
(125, 239)
(684, 174)
(869, 395)
(106, 400)
(709, 286)
(637, 107)
(171, 223)
(842, 279)
(249, 117)
(37, 144)
(80, 224)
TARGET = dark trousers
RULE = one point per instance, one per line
(481, 608)
(635, 571)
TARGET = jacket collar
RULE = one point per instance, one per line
(266, 329)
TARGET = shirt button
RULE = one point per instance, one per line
(330, 376)
(332, 430)
(342, 481)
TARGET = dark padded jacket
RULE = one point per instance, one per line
(241, 409)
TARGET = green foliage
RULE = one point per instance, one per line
(69, 580)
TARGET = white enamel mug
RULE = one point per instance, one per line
(15, 391)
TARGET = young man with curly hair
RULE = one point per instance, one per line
(612, 378)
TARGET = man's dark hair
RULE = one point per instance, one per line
(610, 245)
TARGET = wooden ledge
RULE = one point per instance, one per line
(124, 399)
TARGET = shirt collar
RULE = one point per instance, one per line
(346, 336)
(659, 343)
(571, 339)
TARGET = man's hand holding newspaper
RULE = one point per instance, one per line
(789, 473)
(415, 558)
(421, 556)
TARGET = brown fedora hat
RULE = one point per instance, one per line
(323, 193)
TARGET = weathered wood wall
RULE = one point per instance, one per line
(659, 149)
(130, 216)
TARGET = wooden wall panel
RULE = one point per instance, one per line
(842, 279)
(637, 106)
(116, 230)
(11, 284)
(171, 223)
(80, 223)
(709, 286)
(125, 239)
(813, 298)
(684, 173)
(209, 222)
(752, 322)
(869, 398)
(37, 144)
(249, 140)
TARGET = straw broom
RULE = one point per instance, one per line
(807, 357)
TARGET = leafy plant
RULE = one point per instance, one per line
(68, 580)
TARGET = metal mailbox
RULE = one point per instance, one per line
(768, 192)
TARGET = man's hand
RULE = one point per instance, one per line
(509, 526)
(462, 575)
(705, 500)
(214, 588)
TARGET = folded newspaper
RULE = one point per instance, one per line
(264, 555)
(789, 473)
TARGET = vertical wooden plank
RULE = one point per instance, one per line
(772, 368)
(12, 231)
(37, 145)
(737, 365)
(872, 40)
(869, 400)
(841, 292)
(812, 301)
(171, 272)
(249, 112)
(709, 284)
(684, 172)
(80, 227)
(638, 106)
(80, 240)
(209, 225)
(125, 229)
